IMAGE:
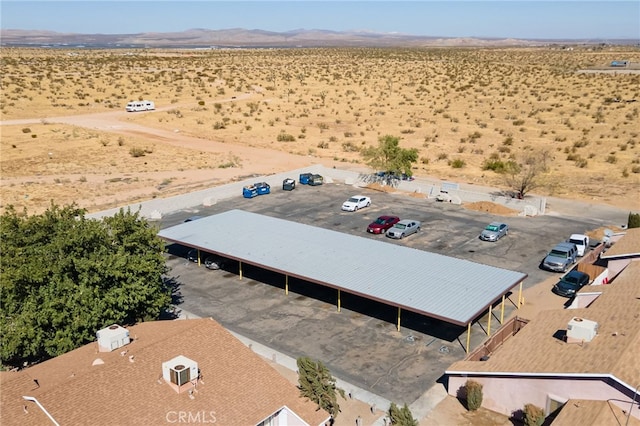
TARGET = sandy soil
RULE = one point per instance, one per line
(220, 116)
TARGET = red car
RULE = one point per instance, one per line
(381, 224)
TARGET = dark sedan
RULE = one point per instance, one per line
(381, 224)
(571, 283)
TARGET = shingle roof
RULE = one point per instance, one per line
(535, 350)
(238, 387)
(628, 245)
(430, 284)
(590, 412)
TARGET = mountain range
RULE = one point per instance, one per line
(238, 38)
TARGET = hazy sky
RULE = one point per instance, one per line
(518, 19)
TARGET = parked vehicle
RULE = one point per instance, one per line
(213, 263)
(571, 283)
(381, 224)
(560, 257)
(192, 218)
(403, 228)
(494, 231)
(356, 202)
(581, 241)
(315, 180)
(210, 261)
(140, 106)
(443, 196)
(288, 184)
(262, 188)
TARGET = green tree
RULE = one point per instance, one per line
(474, 395)
(390, 158)
(316, 383)
(64, 276)
(401, 416)
(524, 175)
(634, 220)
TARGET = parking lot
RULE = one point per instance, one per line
(360, 344)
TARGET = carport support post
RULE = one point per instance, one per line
(489, 322)
(286, 284)
(398, 318)
(339, 300)
(468, 336)
(502, 311)
(520, 295)
(198, 257)
(240, 269)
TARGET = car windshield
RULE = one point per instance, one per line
(353, 200)
(558, 253)
(577, 242)
(380, 221)
(491, 228)
(400, 226)
(570, 279)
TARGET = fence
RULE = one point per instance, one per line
(508, 329)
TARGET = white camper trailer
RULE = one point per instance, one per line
(140, 106)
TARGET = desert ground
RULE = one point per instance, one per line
(228, 114)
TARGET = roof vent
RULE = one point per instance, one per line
(581, 330)
(180, 373)
(112, 338)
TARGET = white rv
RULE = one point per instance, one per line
(140, 106)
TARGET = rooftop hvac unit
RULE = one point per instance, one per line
(581, 329)
(180, 371)
(112, 338)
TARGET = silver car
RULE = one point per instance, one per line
(494, 231)
(403, 228)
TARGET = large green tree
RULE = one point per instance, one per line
(390, 159)
(316, 383)
(64, 276)
(401, 416)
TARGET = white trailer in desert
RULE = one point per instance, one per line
(140, 106)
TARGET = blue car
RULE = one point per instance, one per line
(262, 188)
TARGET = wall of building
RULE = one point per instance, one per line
(507, 395)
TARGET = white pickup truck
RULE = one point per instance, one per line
(581, 241)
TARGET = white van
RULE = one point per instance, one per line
(140, 106)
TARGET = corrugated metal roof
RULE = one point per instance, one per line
(431, 284)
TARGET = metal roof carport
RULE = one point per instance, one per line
(437, 286)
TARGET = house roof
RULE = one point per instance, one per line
(430, 284)
(591, 412)
(628, 245)
(237, 387)
(537, 350)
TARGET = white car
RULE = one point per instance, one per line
(356, 202)
(403, 228)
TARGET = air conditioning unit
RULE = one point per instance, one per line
(180, 371)
(581, 329)
(112, 338)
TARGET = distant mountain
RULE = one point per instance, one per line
(238, 37)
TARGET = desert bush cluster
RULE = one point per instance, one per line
(467, 111)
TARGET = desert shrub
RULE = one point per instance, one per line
(286, 137)
(474, 395)
(218, 125)
(634, 220)
(201, 103)
(323, 145)
(350, 147)
(533, 415)
(495, 165)
(137, 152)
(442, 156)
(26, 130)
(611, 159)
(518, 122)
(457, 163)
(401, 416)
(34, 136)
